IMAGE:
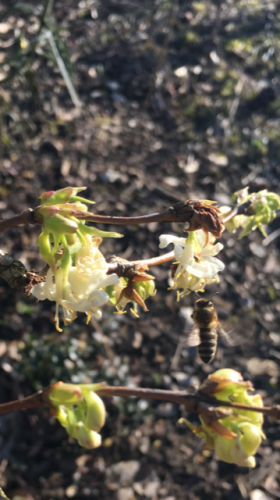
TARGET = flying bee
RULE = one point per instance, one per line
(206, 331)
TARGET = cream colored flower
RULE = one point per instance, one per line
(84, 289)
(195, 259)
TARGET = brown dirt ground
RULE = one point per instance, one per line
(143, 139)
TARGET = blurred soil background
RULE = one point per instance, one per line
(145, 103)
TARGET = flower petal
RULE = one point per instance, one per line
(166, 239)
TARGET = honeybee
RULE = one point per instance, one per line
(206, 330)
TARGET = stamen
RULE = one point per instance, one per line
(134, 312)
(56, 318)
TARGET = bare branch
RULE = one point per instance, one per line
(195, 213)
(238, 210)
(193, 400)
(33, 401)
(26, 217)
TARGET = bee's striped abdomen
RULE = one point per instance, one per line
(208, 344)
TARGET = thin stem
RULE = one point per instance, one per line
(63, 70)
(25, 217)
(192, 401)
(45, 14)
(185, 398)
(155, 261)
(238, 210)
(125, 221)
(33, 401)
(230, 216)
(195, 213)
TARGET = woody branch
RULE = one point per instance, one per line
(192, 401)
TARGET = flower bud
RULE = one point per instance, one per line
(236, 435)
(60, 224)
(61, 196)
(226, 373)
(61, 414)
(251, 437)
(95, 410)
(229, 382)
(145, 288)
(45, 249)
(64, 394)
(223, 449)
(87, 438)
(233, 452)
(273, 201)
(48, 211)
(261, 211)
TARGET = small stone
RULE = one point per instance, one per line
(258, 250)
(144, 445)
(123, 472)
(71, 491)
(219, 159)
(171, 181)
(125, 494)
(181, 72)
(259, 495)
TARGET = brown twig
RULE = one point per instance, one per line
(34, 401)
(186, 398)
(193, 401)
(26, 217)
(195, 213)
(230, 216)
(113, 267)
(238, 210)
(156, 261)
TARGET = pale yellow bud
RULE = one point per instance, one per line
(95, 412)
(251, 437)
(87, 438)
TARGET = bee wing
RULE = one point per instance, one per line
(193, 339)
(224, 335)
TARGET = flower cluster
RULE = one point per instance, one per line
(80, 410)
(261, 211)
(196, 264)
(77, 277)
(82, 289)
(237, 437)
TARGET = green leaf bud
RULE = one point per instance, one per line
(273, 201)
(64, 394)
(145, 288)
(93, 231)
(60, 224)
(48, 211)
(60, 196)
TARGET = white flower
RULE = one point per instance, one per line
(85, 283)
(194, 256)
